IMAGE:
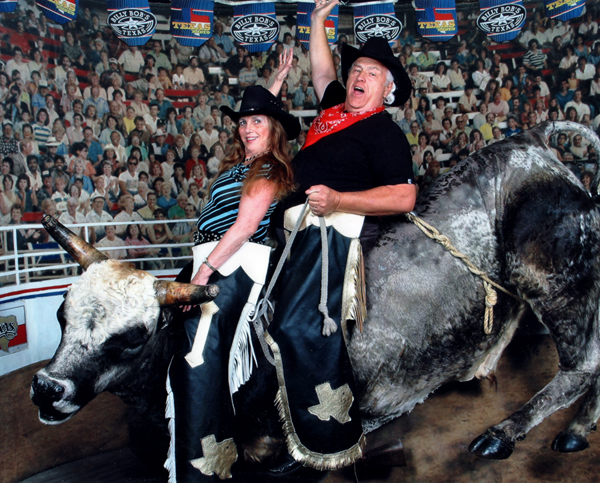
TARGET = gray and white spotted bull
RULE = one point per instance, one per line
(512, 208)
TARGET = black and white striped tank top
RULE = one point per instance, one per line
(222, 208)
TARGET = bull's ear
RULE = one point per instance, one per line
(175, 293)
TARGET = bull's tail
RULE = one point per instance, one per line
(550, 128)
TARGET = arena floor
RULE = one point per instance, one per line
(436, 436)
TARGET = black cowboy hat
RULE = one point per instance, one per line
(377, 48)
(258, 100)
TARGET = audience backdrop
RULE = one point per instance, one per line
(95, 130)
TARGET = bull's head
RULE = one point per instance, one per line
(109, 321)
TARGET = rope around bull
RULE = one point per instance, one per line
(491, 297)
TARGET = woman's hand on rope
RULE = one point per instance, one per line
(322, 200)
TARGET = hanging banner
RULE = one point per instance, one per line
(255, 26)
(376, 20)
(7, 6)
(436, 19)
(501, 21)
(191, 21)
(303, 23)
(59, 11)
(131, 20)
(564, 10)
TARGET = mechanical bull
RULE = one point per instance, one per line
(520, 216)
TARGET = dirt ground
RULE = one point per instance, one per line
(436, 435)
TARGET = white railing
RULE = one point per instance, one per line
(23, 266)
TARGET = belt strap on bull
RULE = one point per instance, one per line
(490, 294)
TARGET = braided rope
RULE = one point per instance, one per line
(491, 297)
(264, 307)
(329, 326)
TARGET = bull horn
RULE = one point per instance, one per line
(81, 251)
(176, 293)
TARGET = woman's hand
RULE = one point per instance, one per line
(285, 64)
(201, 278)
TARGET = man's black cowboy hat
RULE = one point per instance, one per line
(258, 100)
(377, 48)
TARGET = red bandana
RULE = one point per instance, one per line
(333, 120)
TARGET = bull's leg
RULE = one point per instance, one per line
(574, 437)
(498, 441)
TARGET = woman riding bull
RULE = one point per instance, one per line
(230, 251)
(354, 167)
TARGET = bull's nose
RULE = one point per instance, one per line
(45, 389)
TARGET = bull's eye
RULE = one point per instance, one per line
(132, 351)
(126, 345)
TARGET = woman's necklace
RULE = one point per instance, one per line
(249, 160)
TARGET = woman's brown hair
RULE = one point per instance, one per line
(277, 159)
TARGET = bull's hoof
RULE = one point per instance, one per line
(491, 447)
(569, 442)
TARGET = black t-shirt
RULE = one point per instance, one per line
(369, 153)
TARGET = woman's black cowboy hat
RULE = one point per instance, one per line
(258, 100)
(377, 48)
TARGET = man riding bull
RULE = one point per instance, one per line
(354, 167)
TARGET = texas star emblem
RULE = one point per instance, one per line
(502, 19)
(386, 26)
(132, 22)
(254, 29)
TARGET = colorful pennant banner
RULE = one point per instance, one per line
(131, 20)
(376, 20)
(500, 20)
(303, 23)
(255, 26)
(59, 11)
(7, 6)
(436, 19)
(564, 9)
(191, 21)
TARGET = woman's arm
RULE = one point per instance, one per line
(253, 207)
(285, 65)
(34, 200)
(154, 239)
(4, 208)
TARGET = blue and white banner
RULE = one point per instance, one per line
(436, 19)
(255, 26)
(303, 22)
(59, 11)
(131, 20)
(501, 20)
(7, 6)
(376, 20)
(191, 21)
(564, 10)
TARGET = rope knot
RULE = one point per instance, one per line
(491, 296)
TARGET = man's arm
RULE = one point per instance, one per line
(379, 201)
(321, 60)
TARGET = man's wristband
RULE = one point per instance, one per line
(209, 265)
